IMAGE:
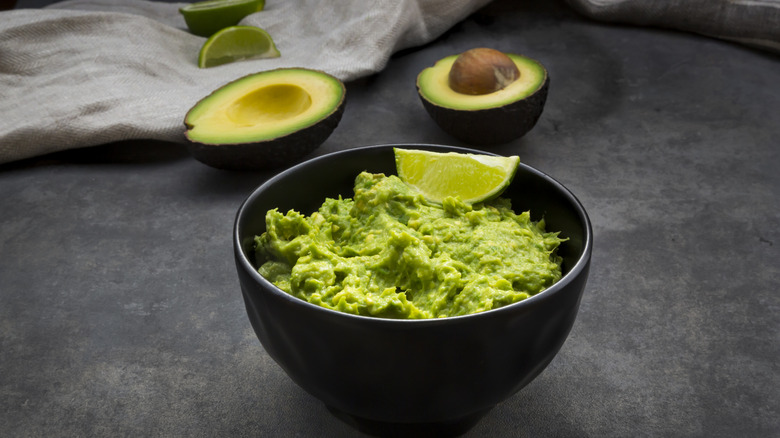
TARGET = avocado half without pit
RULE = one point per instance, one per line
(265, 120)
(484, 96)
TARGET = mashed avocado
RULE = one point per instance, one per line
(388, 252)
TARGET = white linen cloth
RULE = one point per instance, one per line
(753, 23)
(87, 72)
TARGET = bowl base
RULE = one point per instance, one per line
(450, 428)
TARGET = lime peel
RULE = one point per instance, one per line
(473, 178)
(205, 18)
(237, 43)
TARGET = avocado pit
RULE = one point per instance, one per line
(482, 71)
(480, 100)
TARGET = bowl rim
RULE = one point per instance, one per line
(581, 264)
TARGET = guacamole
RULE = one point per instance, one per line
(387, 252)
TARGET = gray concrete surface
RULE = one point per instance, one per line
(120, 312)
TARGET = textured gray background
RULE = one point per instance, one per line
(120, 312)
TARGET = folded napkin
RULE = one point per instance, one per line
(87, 72)
(754, 23)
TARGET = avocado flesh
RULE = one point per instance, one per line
(264, 106)
(433, 83)
(265, 119)
(487, 119)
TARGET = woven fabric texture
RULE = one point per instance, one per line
(87, 72)
(754, 23)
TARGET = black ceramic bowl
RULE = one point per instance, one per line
(402, 377)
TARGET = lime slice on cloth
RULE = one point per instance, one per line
(236, 43)
(471, 177)
(208, 17)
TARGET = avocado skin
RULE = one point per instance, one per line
(491, 126)
(268, 154)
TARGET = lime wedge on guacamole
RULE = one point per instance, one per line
(207, 17)
(471, 177)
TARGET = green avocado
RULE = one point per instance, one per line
(486, 119)
(265, 120)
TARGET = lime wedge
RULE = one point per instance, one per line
(236, 43)
(471, 177)
(207, 17)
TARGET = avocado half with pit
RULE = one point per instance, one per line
(265, 120)
(484, 116)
